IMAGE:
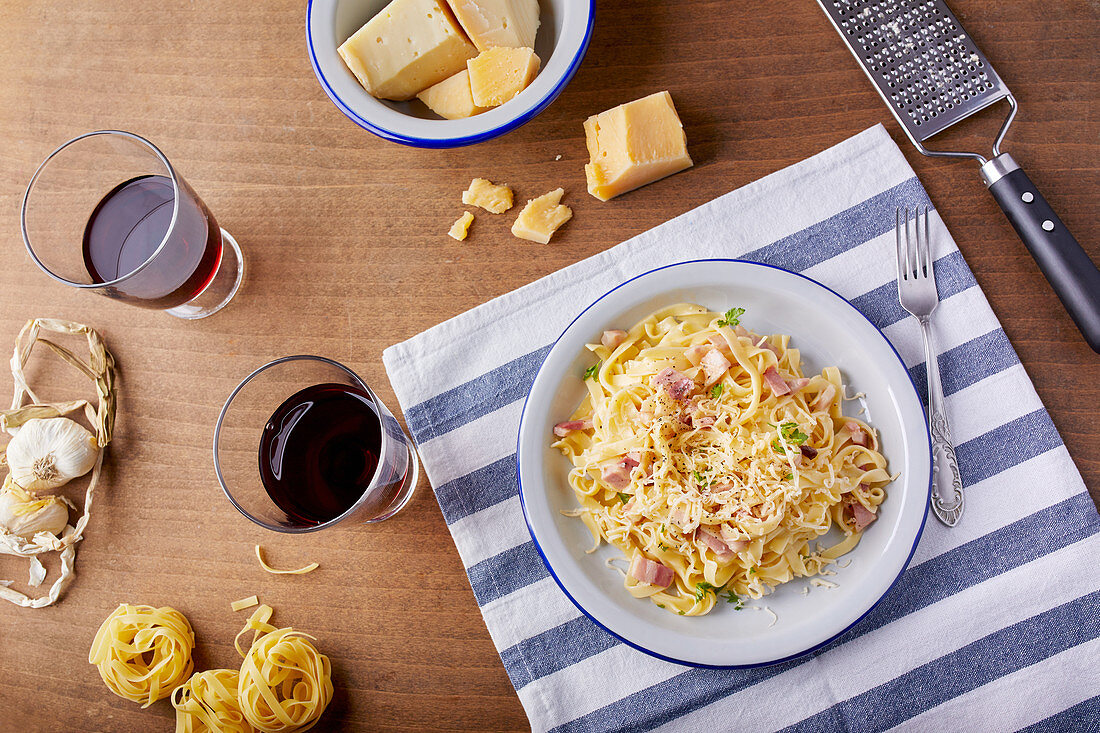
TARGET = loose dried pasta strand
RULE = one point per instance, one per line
(244, 603)
(300, 571)
(143, 653)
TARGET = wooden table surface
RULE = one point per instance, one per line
(344, 241)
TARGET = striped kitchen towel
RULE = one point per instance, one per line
(995, 626)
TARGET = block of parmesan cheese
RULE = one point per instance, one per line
(488, 23)
(409, 46)
(500, 73)
(451, 98)
(460, 228)
(489, 196)
(634, 144)
(541, 217)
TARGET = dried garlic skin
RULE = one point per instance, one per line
(49, 452)
(25, 514)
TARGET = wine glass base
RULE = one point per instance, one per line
(412, 478)
(222, 287)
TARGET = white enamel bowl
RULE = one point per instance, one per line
(827, 331)
(564, 30)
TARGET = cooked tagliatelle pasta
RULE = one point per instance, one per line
(705, 455)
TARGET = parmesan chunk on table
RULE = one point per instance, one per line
(499, 73)
(488, 23)
(451, 98)
(634, 144)
(489, 196)
(409, 46)
(541, 217)
(461, 227)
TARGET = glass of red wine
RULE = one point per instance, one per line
(107, 212)
(303, 444)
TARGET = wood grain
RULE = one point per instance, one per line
(346, 254)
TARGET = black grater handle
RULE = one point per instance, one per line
(1071, 273)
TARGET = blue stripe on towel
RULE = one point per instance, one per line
(478, 489)
(1012, 648)
(1084, 717)
(509, 571)
(843, 231)
(476, 398)
(968, 363)
(921, 585)
(883, 308)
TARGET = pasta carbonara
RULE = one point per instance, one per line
(705, 455)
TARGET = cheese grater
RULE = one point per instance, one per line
(931, 75)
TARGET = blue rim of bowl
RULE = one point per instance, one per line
(456, 142)
(700, 665)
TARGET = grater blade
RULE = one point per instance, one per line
(925, 66)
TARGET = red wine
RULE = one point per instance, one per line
(129, 224)
(319, 452)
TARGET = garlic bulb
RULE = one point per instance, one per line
(49, 452)
(24, 514)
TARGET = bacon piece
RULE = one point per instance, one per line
(765, 344)
(714, 542)
(859, 437)
(825, 398)
(644, 570)
(732, 539)
(808, 451)
(777, 383)
(676, 383)
(612, 339)
(705, 421)
(861, 516)
(694, 354)
(720, 343)
(797, 385)
(714, 366)
(617, 473)
(742, 331)
(565, 428)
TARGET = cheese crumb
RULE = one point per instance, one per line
(487, 195)
(541, 217)
(461, 227)
(557, 157)
(244, 603)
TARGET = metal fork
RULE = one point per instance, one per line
(918, 295)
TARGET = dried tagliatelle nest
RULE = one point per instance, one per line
(48, 449)
(143, 653)
(285, 684)
(208, 702)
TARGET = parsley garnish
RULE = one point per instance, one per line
(592, 370)
(624, 498)
(752, 571)
(732, 317)
(701, 590)
(792, 434)
(700, 478)
(660, 605)
(716, 391)
(680, 612)
(735, 599)
(788, 477)
(662, 546)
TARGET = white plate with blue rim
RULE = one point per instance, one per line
(828, 331)
(565, 28)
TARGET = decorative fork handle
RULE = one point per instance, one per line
(947, 506)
